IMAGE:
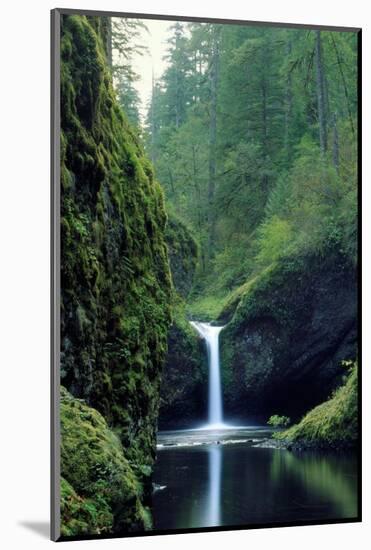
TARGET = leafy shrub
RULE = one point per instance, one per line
(277, 421)
(275, 235)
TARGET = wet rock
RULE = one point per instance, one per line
(281, 352)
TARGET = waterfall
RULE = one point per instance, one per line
(211, 336)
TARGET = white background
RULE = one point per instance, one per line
(24, 270)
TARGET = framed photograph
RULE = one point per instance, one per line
(205, 274)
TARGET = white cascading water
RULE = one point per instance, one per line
(211, 336)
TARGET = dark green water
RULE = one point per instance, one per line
(235, 483)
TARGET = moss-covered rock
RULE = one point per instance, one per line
(115, 275)
(282, 350)
(184, 382)
(115, 278)
(332, 424)
(183, 254)
(83, 516)
(100, 490)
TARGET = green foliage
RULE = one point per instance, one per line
(277, 421)
(115, 281)
(275, 236)
(276, 194)
(310, 211)
(83, 516)
(333, 423)
(125, 43)
(99, 488)
(128, 98)
(267, 235)
(115, 276)
(207, 308)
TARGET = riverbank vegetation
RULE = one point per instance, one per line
(332, 424)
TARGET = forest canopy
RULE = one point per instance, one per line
(252, 132)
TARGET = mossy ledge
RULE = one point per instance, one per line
(281, 352)
(115, 278)
(333, 424)
(102, 492)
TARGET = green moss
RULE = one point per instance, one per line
(83, 516)
(99, 489)
(220, 306)
(289, 328)
(184, 382)
(115, 274)
(183, 254)
(331, 424)
(207, 308)
(115, 278)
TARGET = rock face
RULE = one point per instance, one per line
(184, 382)
(115, 278)
(282, 351)
(183, 251)
(102, 491)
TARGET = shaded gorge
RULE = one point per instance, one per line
(220, 474)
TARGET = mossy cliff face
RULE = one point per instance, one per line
(115, 308)
(183, 254)
(102, 493)
(282, 351)
(184, 383)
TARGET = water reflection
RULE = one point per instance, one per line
(235, 483)
(332, 478)
(213, 508)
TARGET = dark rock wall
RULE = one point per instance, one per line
(183, 253)
(185, 378)
(282, 351)
(184, 381)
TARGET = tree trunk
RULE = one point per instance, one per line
(335, 146)
(198, 190)
(288, 108)
(344, 84)
(214, 78)
(265, 182)
(109, 42)
(171, 179)
(322, 119)
(177, 117)
(153, 124)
